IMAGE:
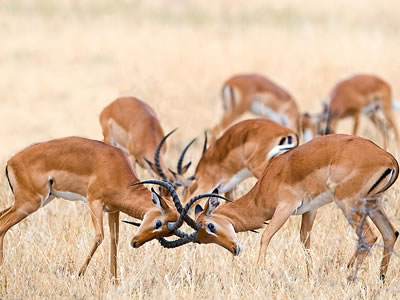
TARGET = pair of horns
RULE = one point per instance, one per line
(157, 163)
(184, 238)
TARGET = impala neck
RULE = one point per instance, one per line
(246, 213)
(136, 201)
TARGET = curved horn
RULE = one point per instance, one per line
(179, 242)
(205, 142)
(180, 161)
(157, 156)
(169, 187)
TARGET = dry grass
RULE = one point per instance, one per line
(63, 61)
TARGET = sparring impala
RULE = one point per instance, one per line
(241, 152)
(93, 172)
(261, 96)
(133, 126)
(358, 95)
(349, 170)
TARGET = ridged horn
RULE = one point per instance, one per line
(181, 158)
(205, 142)
(157, 156)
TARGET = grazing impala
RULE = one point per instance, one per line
(241, 152)
(133, 126)
(357, 95)
(93, 172)
(261, 96)
(350, 170)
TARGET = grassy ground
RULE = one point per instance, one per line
(63, 61)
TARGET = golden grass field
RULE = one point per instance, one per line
(62, 61)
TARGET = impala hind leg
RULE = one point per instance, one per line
(96, 210)
(359, 222)
(389, 236)
(113, 223)
(14, 215)
(278, 219)
(307, 221)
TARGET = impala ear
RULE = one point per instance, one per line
(158, 201)
(198, 210)
(211, 205)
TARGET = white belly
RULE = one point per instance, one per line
(69, 196)
(260, 109)
(317, 202)
(235, 180)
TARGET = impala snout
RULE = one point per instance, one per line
(237, 249)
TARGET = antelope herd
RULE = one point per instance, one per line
(299, 161)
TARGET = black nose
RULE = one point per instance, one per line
(234, 250)
(134, 244)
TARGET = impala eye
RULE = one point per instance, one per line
(211, 227)
(158, 224)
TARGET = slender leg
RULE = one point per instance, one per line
(355, 218)
(389, 236)
(381, 127)
(14, 215)
(392, 124)
(3, 212)
(113, 222)
(307, 221)
(356, 123)
(96, 209)
(278, 219)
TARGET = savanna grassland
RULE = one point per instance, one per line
(62, 61)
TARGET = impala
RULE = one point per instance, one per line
(261, 96)
(241, 152)
(349, 170)
(133, 126)
(357, 95)
(93, 172)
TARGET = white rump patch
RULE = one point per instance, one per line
(322, 199)
(258, 108)
(280, 149)
(235, 180)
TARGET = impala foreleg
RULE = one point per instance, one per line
(388, 233)
(96, 210)
(278, 219)
(113, 223)
(356, 123)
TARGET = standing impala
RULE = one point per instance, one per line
(261, 96)
(357, 95)
(133, 126)
(93, 172)
(241, 152)
(350, 170)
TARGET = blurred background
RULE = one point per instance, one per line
(62, 62)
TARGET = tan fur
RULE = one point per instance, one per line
(247, 88)
(90, 169)
(134, 125)
(245, 145)
(341, 168)
(350, 96)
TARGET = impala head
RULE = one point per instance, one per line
(156, 222)
(216, 228)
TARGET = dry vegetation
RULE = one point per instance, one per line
(63, 61)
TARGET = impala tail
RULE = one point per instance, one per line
(8, 179)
